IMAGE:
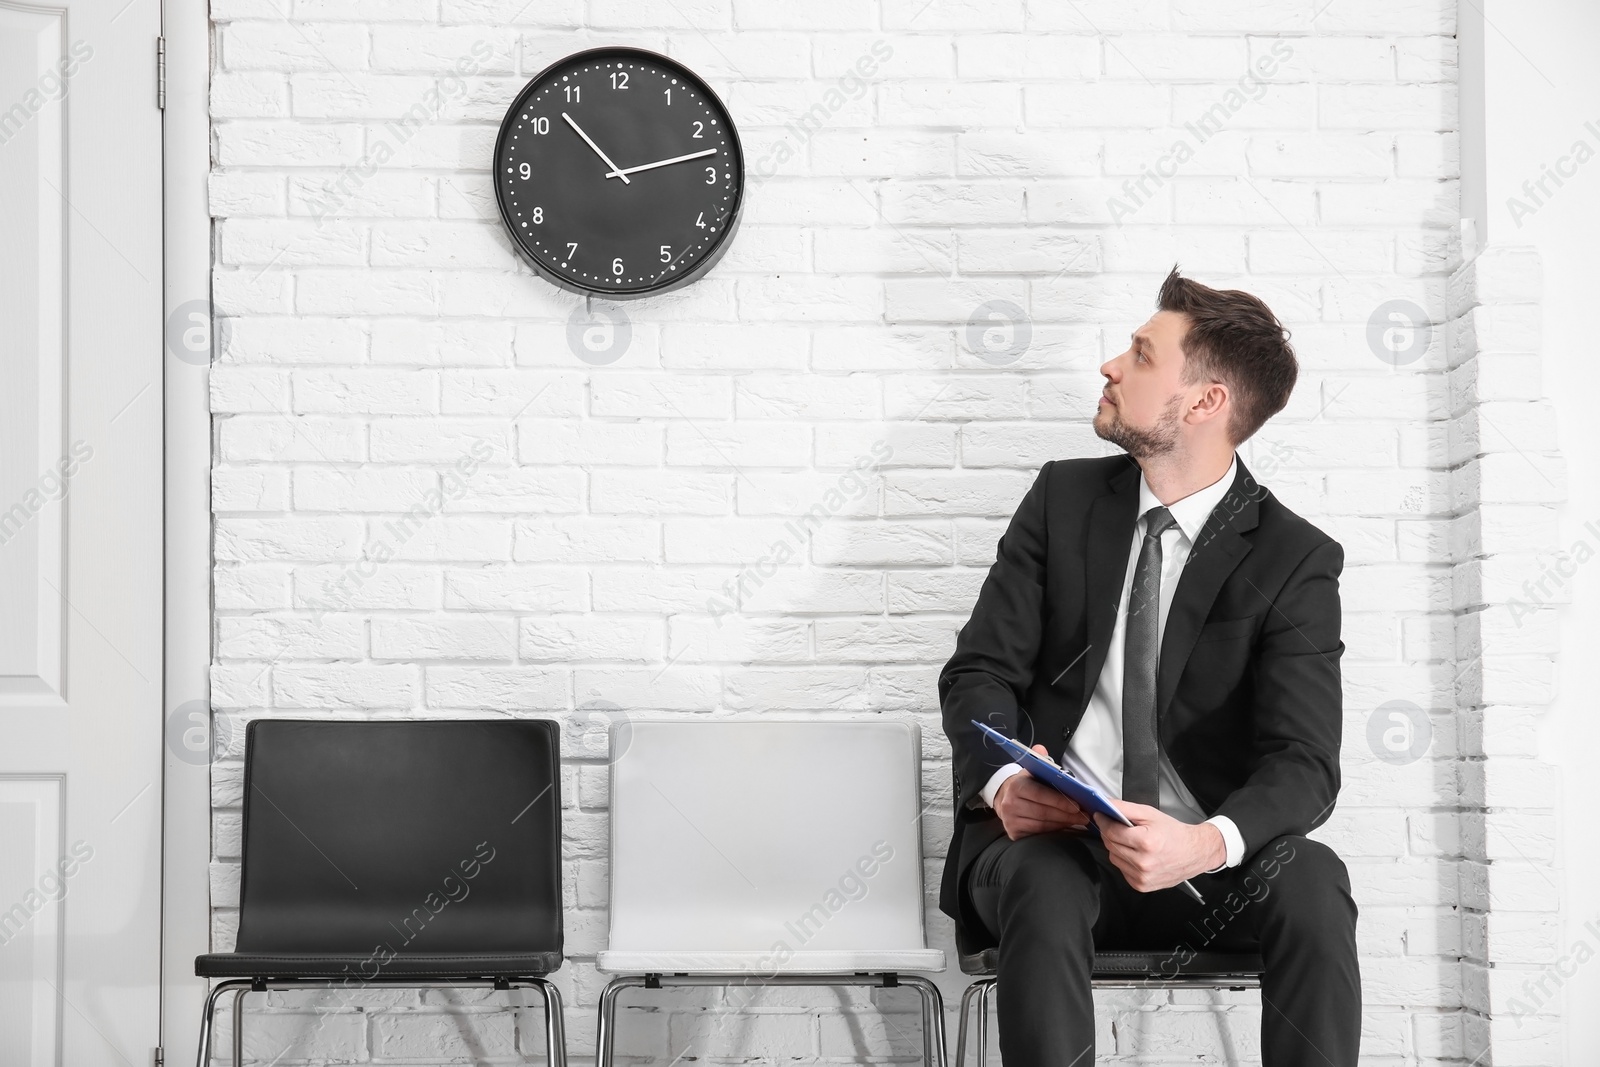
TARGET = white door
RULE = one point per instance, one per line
(80, 533)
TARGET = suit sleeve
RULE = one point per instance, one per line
(1299, 708)
(995, 651)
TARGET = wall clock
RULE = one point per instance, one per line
(618, 172)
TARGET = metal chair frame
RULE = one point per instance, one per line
(554, 1034)
(933, 1043)
(982, 989)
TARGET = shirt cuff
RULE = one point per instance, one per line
(1231, 838)
(986, 794)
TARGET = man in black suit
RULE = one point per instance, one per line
(1211, 706)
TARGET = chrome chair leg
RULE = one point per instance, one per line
(555, 1036)
(934, 1053)
(927, 1033)
(605, 1035)
(983, 1021)
(961, 1024)
(238, 1028)
(208, 1013)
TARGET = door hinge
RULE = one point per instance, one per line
(161, 83)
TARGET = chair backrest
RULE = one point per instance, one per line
(427, 837)
(736, 834)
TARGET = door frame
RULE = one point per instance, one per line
(186, 786)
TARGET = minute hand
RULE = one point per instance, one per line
(658, 163)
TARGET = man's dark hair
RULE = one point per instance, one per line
(1235, 339)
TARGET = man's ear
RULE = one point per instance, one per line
(1213, 401)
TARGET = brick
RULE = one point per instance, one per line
(295, 339)
(660, 492)
(285, 46)
(249, 95)
(244, 193)
(362, 192)
(568, 638)
(1030, 55)
(484, 688)
(739, 446)
(345, 685)
(453, 637)
(243, 144)
(618, 443)
(327, 636)
(234, 490)
(498, 587)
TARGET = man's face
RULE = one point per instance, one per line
(1146, 396)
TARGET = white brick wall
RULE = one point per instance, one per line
(1057, 157)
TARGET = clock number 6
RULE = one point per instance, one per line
(616, 265)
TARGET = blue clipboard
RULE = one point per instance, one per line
(1087, 796)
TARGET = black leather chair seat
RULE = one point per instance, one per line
(362, 967)
(1157, 964)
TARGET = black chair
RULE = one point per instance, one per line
(397, 853)
(1146, 970)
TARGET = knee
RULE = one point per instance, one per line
(1304, 881)
(1053, 866)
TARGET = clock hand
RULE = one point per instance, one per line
(594, 146)
(623, 174)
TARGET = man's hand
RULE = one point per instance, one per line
(1028, 806)
(1158, 851)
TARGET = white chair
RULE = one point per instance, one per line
(767, 852)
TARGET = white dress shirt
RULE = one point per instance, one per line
(1097, 743)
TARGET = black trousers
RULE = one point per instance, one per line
(1051, 899)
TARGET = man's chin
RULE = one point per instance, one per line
(1105, 426)
(1113, 432)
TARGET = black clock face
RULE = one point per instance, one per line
(619, 172)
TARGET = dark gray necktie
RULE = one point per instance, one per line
(1140, 751)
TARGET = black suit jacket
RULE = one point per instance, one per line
(1248, 699)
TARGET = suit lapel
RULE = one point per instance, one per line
(1218, 551)
(1111, 519)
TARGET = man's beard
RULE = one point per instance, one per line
(1142, 444)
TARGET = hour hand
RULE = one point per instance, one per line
(623, 174)
(590, 142)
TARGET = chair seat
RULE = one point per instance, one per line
(764, 963)
(1160, 963)
(410, 965)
